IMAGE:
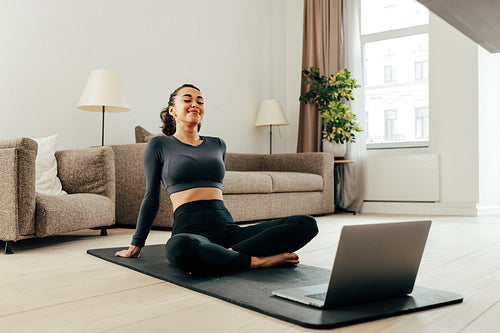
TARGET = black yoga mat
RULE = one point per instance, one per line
(252, 289)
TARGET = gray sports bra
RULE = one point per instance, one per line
(184, 166)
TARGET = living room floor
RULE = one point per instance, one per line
(52, 285)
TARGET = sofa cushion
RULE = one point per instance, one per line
(47, 181)
(243, 182)
(61, 213)
(246, 182)
(142, 135)
(294, 181)
(87, 170)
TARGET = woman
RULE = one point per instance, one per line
(205, 238)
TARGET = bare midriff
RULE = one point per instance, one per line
(195, 194)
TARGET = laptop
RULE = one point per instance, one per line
(373, 262)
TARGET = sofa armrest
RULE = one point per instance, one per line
(17, 181)
(130, 187)
(88, 170)
(317, 163)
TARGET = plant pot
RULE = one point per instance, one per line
(337, 149)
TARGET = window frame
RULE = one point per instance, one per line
(385, 35)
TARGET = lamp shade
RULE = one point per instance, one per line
(103, 88)
(271, 113)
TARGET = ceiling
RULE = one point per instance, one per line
(477, 19)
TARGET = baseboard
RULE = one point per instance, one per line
(484, 210)
(420, 208)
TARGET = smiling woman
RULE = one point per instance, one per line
(169, 125)
(205, 238)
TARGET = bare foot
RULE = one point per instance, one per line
(132, 252)
(276, 260)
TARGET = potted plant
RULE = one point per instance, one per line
(329, 94)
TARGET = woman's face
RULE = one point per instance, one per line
(188, 106)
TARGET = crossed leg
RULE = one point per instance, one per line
(284, 235)
(266, 244)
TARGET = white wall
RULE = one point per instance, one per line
(237, 52)
(489, 133)
(293, 60)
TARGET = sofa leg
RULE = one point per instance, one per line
(8, 247)
(104, 231)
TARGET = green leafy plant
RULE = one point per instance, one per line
(329, 94)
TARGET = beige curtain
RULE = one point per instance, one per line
(351, 195)
(321, 49)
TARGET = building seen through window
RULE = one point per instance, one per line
(396, 56)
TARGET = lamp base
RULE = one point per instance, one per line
(270, 139)
(102, 136)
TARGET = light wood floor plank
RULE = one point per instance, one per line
(52, 285)
(487, 322)
(108, 311)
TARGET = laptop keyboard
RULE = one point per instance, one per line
(318, 296)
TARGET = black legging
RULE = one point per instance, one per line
(204, 230)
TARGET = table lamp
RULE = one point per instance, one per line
(103, 92)
(271, 114)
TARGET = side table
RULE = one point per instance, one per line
(338, 171)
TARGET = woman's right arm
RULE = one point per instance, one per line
(153, 164)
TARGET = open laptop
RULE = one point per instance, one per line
(373, 261)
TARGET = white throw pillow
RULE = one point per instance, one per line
(46, 167)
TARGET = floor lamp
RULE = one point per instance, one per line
(103, 92)
(271, 114)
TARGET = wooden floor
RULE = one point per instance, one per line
(52, 285)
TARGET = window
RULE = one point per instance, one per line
(421, 70)
(395, 40)
(421, 123)
(387, 74)
(390, 125)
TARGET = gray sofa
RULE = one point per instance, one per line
(256, 187)
(106, 185)
(87, 175)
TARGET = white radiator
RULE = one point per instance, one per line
(409, 178)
